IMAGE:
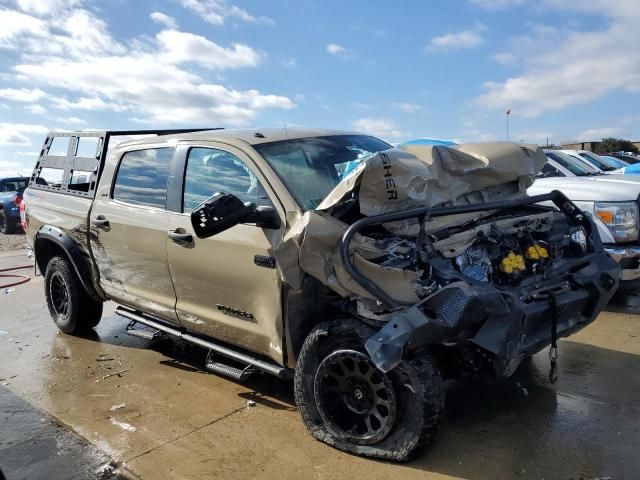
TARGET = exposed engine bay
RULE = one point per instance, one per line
(440, 246)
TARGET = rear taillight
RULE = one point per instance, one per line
(17, 200)
(23, 213)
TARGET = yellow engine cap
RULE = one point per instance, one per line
(512, 262)
(536, 252)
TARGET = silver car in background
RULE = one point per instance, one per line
(613, 200)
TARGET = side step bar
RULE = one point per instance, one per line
(150, 335)
(238, 374)
(265, 366)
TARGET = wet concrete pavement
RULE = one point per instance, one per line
(36, 446)
(163, 417)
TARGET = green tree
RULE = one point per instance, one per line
(616, 145)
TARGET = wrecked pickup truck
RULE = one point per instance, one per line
(367, 273)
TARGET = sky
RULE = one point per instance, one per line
(566, 70)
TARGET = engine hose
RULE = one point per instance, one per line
(21, 278)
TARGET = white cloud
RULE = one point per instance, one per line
(14, 24)
(46, 7)
(531, 137)
(164, 20)
(380, 127)
(71, 120)
(362, 106)
(565, 67)
(457, 41)
(182, 47)
(86, 103)
(497, 4)
(216, 11)
(407, 107)
(18, 133)
(9, 168)
(335, 49)
(594, 134)
(152, 79)
(22, 94)
(36, 109)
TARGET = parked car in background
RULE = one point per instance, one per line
(616, 161)
(592, 159)
(11, 190)
(630, 169)
(562, 165)
(612, 200)
(627, 157)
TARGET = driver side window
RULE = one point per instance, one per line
(210, 171)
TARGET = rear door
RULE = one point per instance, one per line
(227, 285)
(128, 233)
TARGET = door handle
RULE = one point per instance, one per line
(100, 222)
(180, 238)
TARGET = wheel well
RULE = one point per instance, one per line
(45, 250)
(305, 308)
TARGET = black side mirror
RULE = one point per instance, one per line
(265, 217)
(219, 213)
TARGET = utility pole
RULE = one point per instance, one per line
(508, 113)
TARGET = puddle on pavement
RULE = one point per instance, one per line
(34, 446)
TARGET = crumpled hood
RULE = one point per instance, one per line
(429, 175)
(413, 176)
(406, 177)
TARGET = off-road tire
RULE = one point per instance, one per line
(7, 223)
(80, 313)
(417, 384)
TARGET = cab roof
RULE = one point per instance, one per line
(254, 136)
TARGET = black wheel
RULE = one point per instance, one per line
(70, 306)
(346, 402)
(7, 224)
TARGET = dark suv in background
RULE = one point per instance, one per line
(10, 199)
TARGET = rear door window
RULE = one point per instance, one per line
(142, 177)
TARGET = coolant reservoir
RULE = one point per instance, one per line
(512, 263)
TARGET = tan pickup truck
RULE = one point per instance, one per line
(366, 273)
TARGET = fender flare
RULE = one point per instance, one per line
(80, 260)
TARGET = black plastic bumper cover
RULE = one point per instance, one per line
(514, 322)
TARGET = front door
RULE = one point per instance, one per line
(226, 285)
(129, 233)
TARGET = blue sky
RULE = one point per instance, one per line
(568, 70)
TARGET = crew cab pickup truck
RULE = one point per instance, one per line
(368, 274)
(615, 202)
(10, 199)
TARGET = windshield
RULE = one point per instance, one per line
(312, 167)
(616, 161)
(598, 161)
(575, 166)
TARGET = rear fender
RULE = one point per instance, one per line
(50, 241)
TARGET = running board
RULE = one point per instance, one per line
(238, 374)
(150, 335)
(263, 365)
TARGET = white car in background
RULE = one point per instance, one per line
(613, 200)
(593, 160)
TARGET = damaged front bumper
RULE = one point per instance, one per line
(509, 323)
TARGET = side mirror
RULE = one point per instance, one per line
(219, 213)
(266, 217)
